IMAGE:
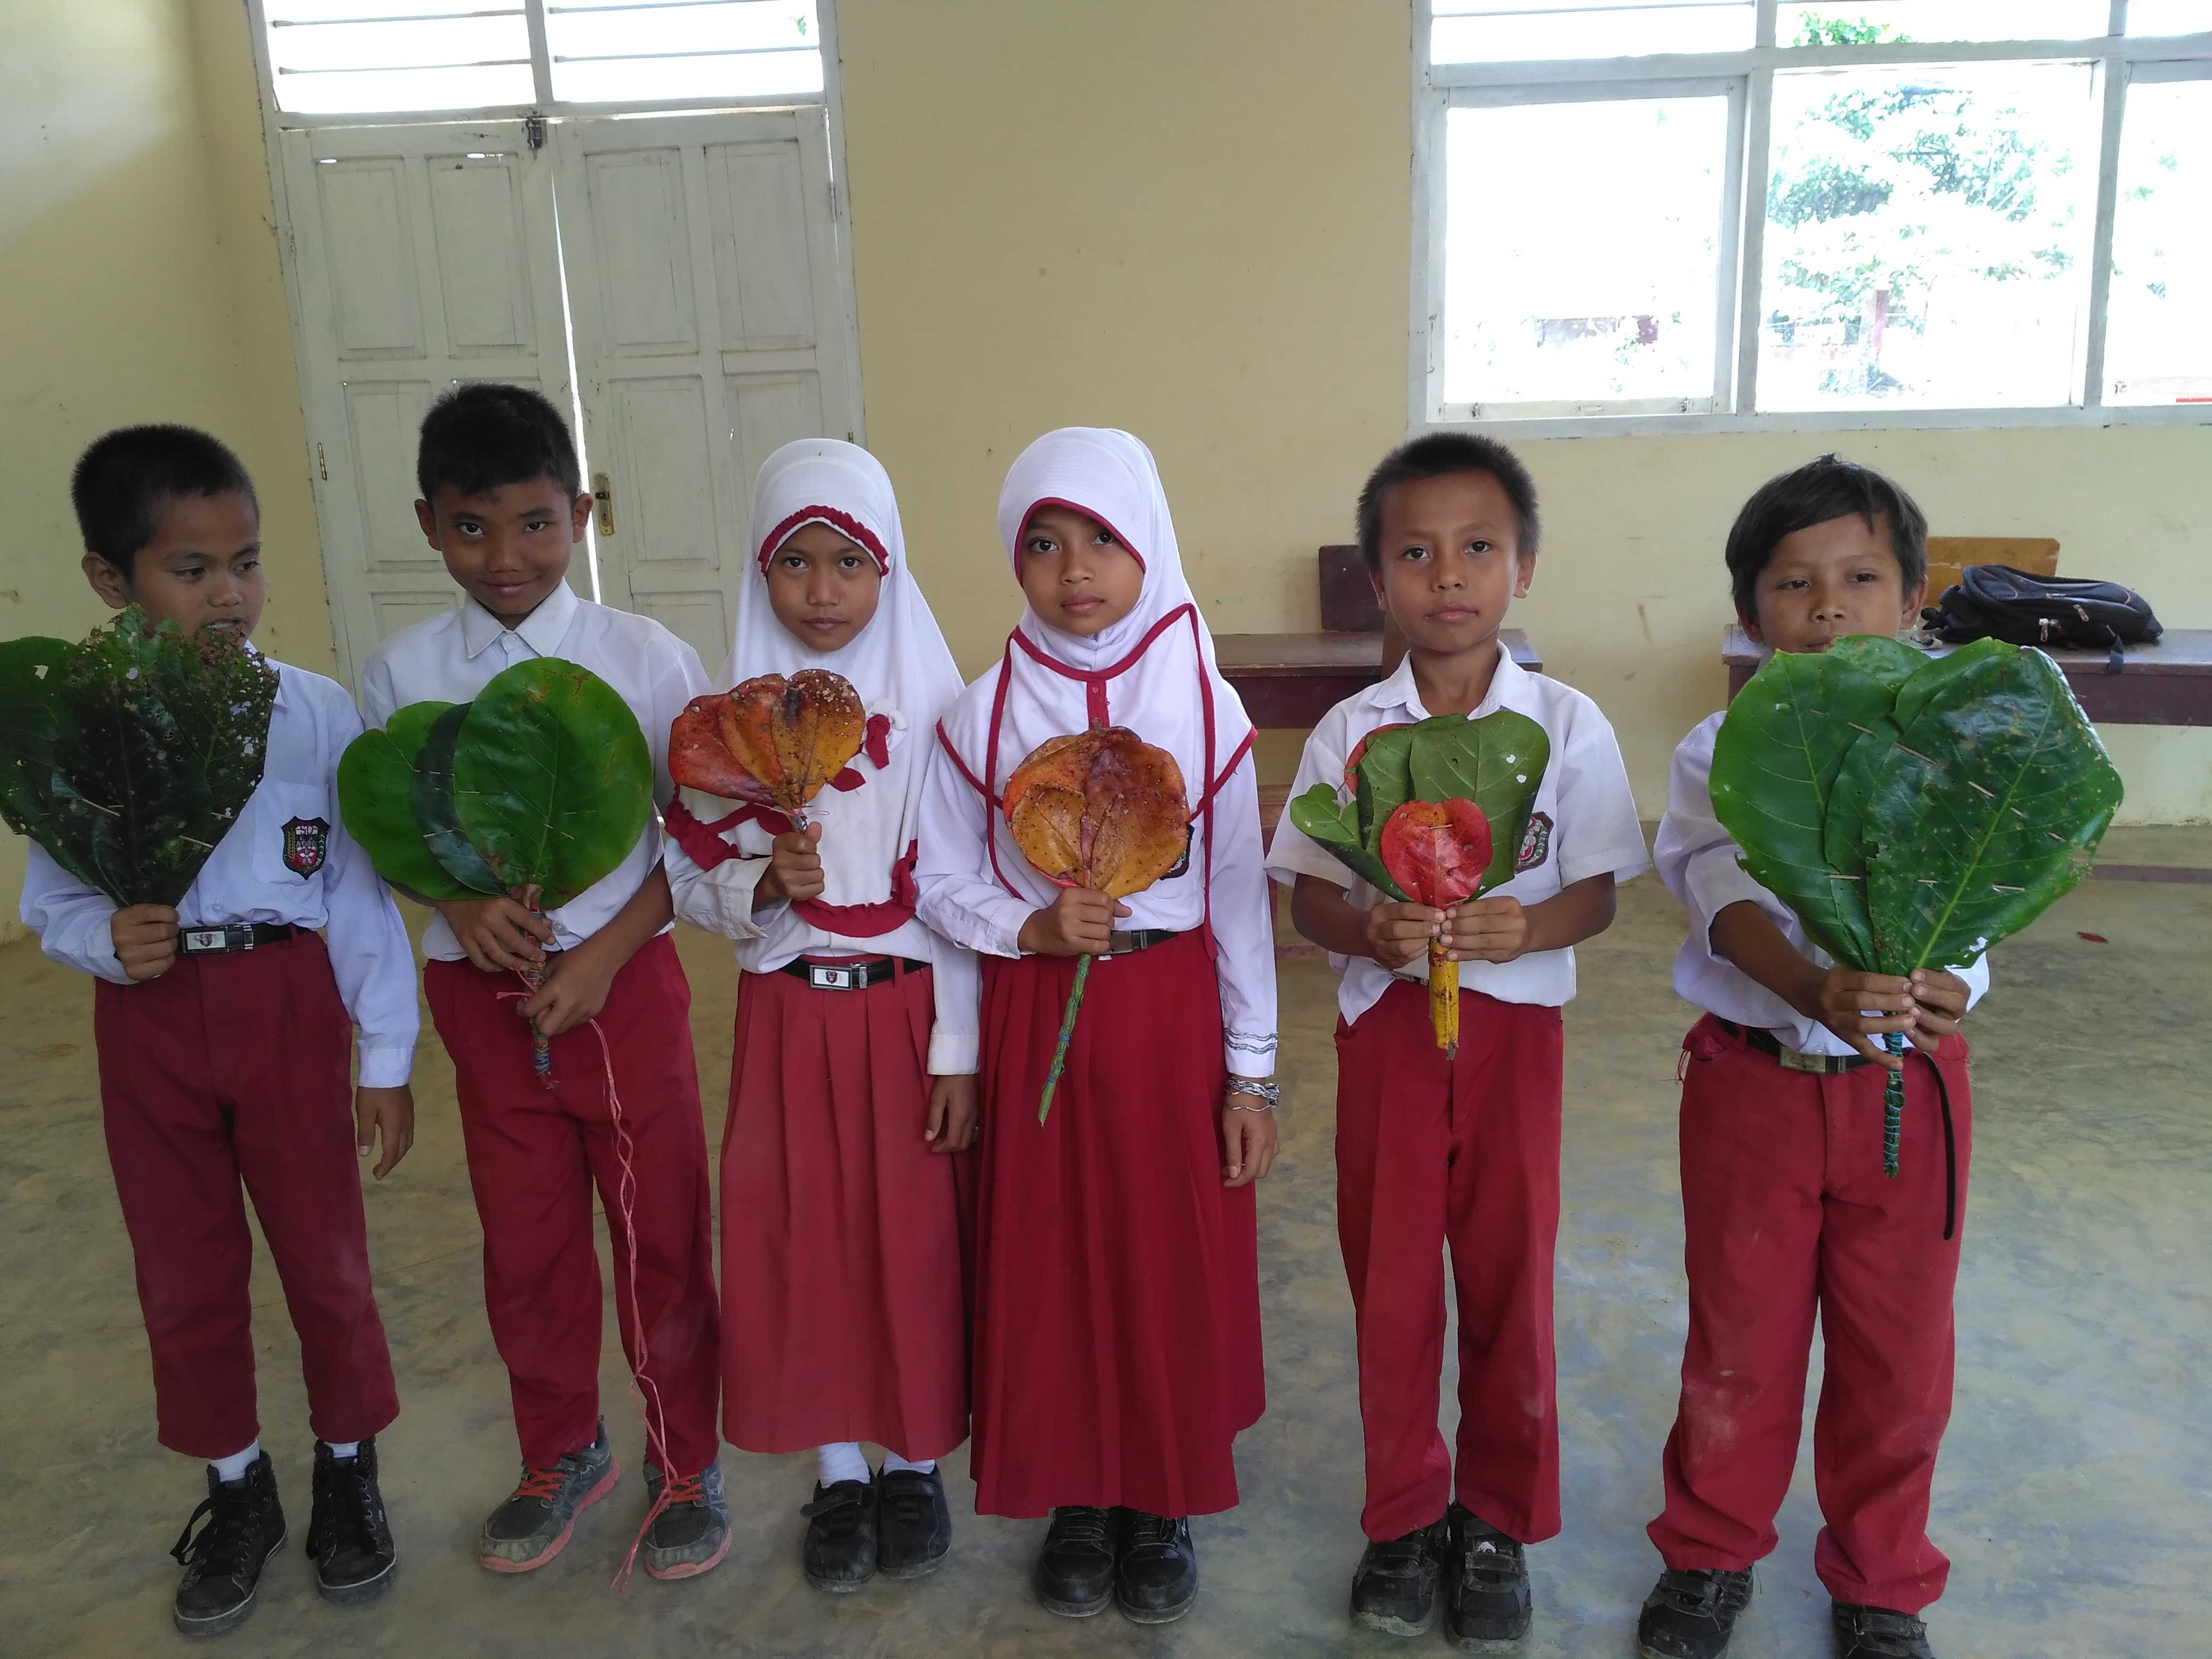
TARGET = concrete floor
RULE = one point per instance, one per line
(2072, 1496)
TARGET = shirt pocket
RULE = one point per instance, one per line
(291, 824)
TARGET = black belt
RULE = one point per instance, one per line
(1120, 943)
(239, 936)
(850, 975)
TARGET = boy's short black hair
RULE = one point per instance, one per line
(123, 480)
(485, 434)
(1829, 487)
(1438, 455)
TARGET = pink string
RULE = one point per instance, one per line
(655, 1419)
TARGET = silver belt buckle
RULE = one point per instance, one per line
(1793, 1060)
(821, 976)
(202, 940)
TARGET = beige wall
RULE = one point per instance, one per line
(142, 284)
(1192, 221)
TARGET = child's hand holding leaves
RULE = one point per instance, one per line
(1493, 929)
(794, 868)
(497, 933)
(1940, 1001)
(1396, 934)
(145, 938)
(1079, 922)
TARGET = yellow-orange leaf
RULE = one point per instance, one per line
(1103, 809)
(794, 735)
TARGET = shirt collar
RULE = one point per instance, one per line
(542, 630)
(1399, 694)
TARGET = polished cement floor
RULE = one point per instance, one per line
(2072, 1496)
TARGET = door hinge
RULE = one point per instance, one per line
(602, 492)
(533, 132)
(322, 466)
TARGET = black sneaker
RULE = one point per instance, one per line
(1878, 1634)
(1485, 1585)
(533, 1525)
(348, 1539)
(222, 1565)
(1395, 1591)
(1158, 1575)
(1075, 1569)
(1691, 1612)
(914, 1524)
(692, 1535)
(840, 1552)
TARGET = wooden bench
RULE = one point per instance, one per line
(2168, 684)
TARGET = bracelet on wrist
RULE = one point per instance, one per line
(1270, 1095)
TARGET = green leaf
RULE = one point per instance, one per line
(376, 799)
(552, 779)
(1775, 763)
(1497, 761)
(432, 797)
(1843, 836)
(1322, 818)
(1991, 804)
(32, 713)
(1386, 781)
(1883, 657)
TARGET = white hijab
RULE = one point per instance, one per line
(898, 663)
(1153, 671)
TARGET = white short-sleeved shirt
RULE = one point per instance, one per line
(451, 658)
(1583, 824)
(286, 861)
(1699, 862)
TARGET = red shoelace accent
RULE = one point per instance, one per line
(683, 1489)
(541, 1483)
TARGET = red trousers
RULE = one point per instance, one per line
(1786, 1209)
(229, 1068)
(1464, 1152)
(535, 1154)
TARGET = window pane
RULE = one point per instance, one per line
(1927, 232)
(1582, 249)
(1482, 31)
(1858, 23)
(2169, 17)
(638, 51)
(2157, 342)
(333, 60)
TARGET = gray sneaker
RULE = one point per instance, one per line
(532, 1526)
(692, 1535)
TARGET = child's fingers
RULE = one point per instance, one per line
(936, 1124)
(364, 1126)
(1873, 1051)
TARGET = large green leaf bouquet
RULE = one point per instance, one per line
(536, 788)
(1433, 813)
(130, 757)
(1913, 810)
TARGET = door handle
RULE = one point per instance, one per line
(602, 492)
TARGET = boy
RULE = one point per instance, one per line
(502, 503)
(223, 1028)
(1784, 1204)
(1432, 1151)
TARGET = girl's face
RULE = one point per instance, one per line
(823, 587)
(1079, 577)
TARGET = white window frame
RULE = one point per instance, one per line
(1748, 76)
(545, 104)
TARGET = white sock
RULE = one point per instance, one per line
(840, 1460)
(233, 1467)
(343, 1449)
(893, 1463)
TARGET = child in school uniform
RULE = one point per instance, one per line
(844, 1303)
(1784, 1204)
(224, 1029)
(1434, 1151)
(1117, 1319)
(502, 503)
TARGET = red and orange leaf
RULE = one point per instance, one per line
(1047, 826)
(1103, 809)
(699, 759)
(794, 735)
(1436, 850)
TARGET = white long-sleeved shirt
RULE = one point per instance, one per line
(962, 899)
(1583, 824)
(451, 658)
(1697, 860)
(329, 886)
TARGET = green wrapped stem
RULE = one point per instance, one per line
(1067, 1031)
(1893, 1107)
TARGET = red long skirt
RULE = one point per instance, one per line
(844, 1302)
(1117, 1314)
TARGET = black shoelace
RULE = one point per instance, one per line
(223, 1547)
(1077, 1525)
(352, 1512)
(1702, 1593)
(1150, 1531)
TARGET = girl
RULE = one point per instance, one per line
(1118, 1331)
(844, 1307)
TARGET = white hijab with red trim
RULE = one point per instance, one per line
(899, 663)
(1167, 689)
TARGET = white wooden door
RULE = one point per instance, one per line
(424, 255)
(710, 298)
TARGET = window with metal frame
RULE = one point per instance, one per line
(366, 59)
(1636, 214)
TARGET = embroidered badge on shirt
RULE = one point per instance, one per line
(1537, 844)
(306, 843)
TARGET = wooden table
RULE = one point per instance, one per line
(1290, 680)
(2169, 683)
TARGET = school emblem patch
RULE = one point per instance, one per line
(1537, 844)
(306, 843)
